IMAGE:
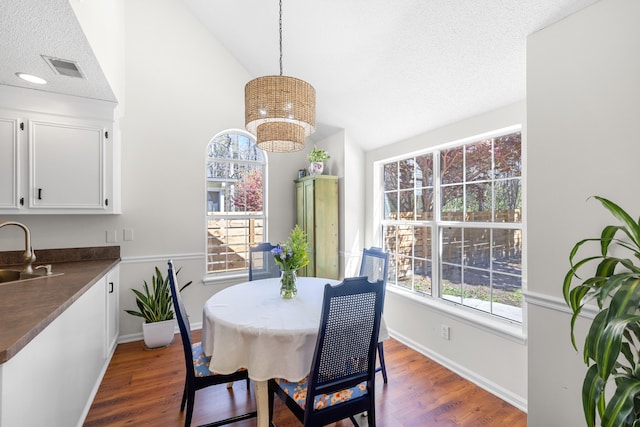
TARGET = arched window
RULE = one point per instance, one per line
(236, 190)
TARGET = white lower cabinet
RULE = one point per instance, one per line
(53, 379)
(112, 315)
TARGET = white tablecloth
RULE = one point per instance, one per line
(250, 326)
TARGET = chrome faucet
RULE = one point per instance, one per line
(29, 256)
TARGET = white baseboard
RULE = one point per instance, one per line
(138, 335)
(493, 388)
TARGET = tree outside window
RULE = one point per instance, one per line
(472, 233)
(236, 188)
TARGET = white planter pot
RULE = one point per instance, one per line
(316, 168)
(158, 334)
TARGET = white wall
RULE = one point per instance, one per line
(103, 25)
(347, 162)
(182, 88)
(496, 359)
(583, 91)
(353, 203)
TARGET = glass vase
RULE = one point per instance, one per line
(288, 284)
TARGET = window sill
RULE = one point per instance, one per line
(503, 328)
(224, 279)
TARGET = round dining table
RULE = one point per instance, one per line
(250, 326)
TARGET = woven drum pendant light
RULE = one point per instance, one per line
(280, 110)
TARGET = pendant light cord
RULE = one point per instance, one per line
(280, 23)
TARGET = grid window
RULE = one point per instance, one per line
(453, 218)
(236, 188)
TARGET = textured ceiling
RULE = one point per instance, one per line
(32, 28)
(382, 70)
(388, 70)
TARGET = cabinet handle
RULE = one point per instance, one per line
(39, 193)
(110, 287)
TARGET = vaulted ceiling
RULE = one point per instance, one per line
(32, 28)
(382, 70)
(385, 70)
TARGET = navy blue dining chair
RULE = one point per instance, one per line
(261, 262)
(375, 266)
(198, 375)
(341, 382)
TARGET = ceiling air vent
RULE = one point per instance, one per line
(64, 67)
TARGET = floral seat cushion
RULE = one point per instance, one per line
(201, 361)
(298, 392)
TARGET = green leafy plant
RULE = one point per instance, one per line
(612, 344)
(293, 254)
(154, 303)
(317, 155)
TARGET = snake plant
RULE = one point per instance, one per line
(612, 344)
(155, 303)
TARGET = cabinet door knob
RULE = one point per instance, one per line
(110, 287)
(39, 193)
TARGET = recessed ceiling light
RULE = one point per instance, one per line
(31, 78)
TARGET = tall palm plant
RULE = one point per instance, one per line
(612, 344)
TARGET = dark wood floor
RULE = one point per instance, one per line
(144, 388)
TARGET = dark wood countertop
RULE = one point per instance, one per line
(29, 306)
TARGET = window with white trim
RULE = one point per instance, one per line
(452, 223)
(236, 195)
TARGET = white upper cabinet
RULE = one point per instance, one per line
(67, 166)
(57, 155)
(9, 163)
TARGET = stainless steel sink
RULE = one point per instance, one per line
(7, 275)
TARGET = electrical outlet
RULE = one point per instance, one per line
(445, 332)
(127, 234)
